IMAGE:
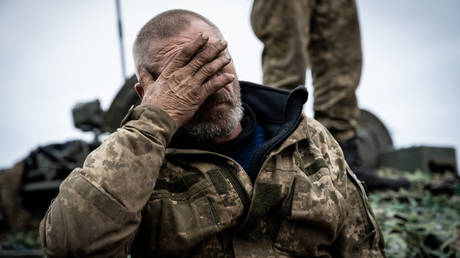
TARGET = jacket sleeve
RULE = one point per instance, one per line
(98, 208)
(356, 233)
(359, 235)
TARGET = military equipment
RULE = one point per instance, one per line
(46, 167)
(89, 116)
(426, 158)
(376, 149)
(32, 183)
(373, 139)
(125, 98)
(28, 188)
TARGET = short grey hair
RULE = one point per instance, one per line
(165, 25)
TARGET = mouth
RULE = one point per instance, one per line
(217, 99)
(214, 105)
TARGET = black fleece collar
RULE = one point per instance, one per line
(274, 108)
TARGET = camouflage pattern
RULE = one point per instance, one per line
(423, 221)
(136, 196)
(323, 35)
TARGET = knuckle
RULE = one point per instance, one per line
(223, 61)
(203, 57)
(218, 80)
(207, 88)
(178, 61)
(194, 65)
(208, 70)
(214, 48)
(214, 83)
(195, 94)
(198, 62)
(172, 79)
(177, 78)
(187, 51)
(224, 78)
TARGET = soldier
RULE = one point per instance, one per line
(200, 170)
(325, 36)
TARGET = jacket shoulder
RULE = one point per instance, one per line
(321, 143)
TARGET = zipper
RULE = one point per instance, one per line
(248, 214)
(214, 211)
(362, 195)
(242, 193)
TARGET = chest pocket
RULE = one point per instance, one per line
(190, 203)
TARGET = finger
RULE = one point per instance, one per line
(210, 69)
(209, 53)
(145, 77)
(216, 83)
(187, 52)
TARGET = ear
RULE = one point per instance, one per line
(139, 90)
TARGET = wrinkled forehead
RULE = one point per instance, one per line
(162, 51)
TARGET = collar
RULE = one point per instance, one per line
(277, 111)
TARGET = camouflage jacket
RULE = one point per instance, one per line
(134, 195)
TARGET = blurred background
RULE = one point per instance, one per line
(54, 54)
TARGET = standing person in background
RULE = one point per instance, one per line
(325, 36)
(322, 35)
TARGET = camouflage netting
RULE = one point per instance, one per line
(423, 221)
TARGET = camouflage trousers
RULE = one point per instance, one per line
(323, 35)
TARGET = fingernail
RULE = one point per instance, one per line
(223, 42)
(204, 36)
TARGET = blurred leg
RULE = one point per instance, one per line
(335, 58)
(284, 27)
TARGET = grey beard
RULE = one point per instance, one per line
(220, 125)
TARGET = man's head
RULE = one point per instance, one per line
(160, 40)
(165, 26)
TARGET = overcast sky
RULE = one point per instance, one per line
(54, 54)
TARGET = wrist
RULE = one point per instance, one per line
(150, 120)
